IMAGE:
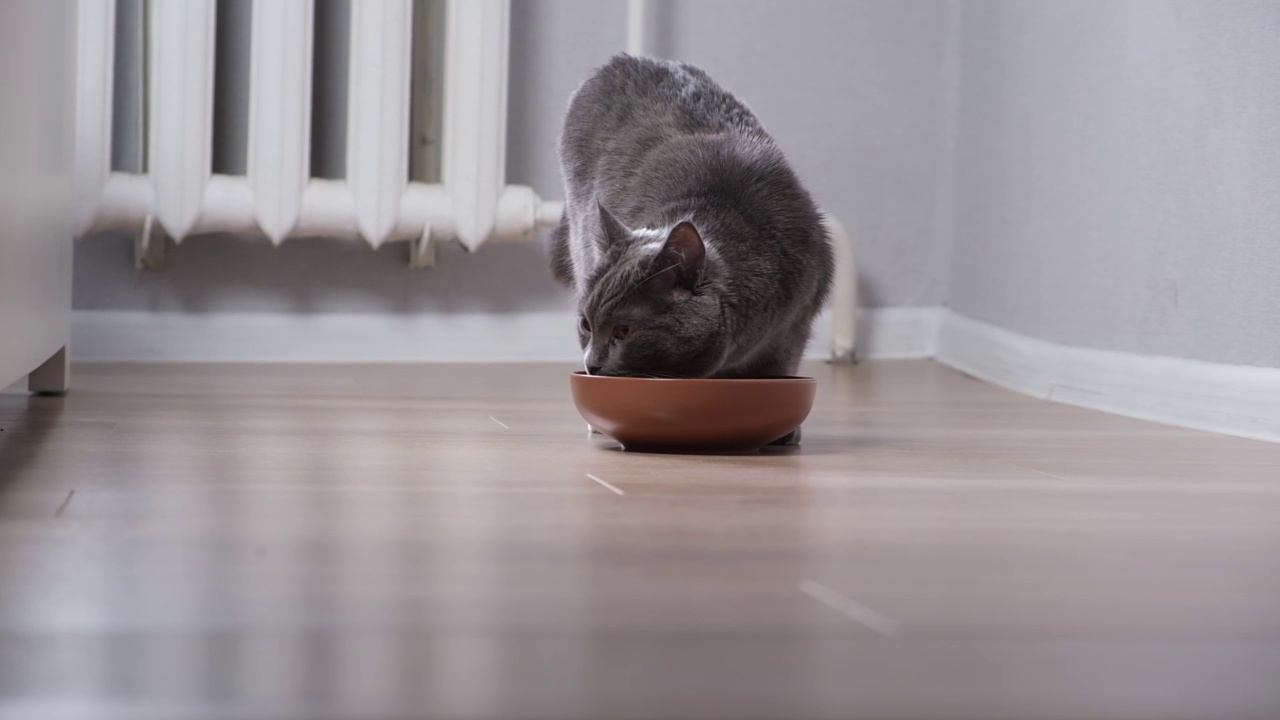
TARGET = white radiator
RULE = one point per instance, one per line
(179, 195)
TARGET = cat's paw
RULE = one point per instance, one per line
(789, 440)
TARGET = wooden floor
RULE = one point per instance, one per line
(446, 541)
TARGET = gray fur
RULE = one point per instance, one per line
(684, 223)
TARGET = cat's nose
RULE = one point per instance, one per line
(593, 369)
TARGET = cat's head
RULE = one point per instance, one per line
(651, 307)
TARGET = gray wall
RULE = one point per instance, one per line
(1096, 174)
(854, 91)
(1118, 175)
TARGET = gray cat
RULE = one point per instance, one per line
(692, 246)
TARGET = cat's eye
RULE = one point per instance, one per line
(620, 332)
(584, 325)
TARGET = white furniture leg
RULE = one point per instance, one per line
(53, 376)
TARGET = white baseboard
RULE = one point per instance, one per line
(1235, 400)
(119, 336)
(292, 337)
(269, 337)
(1228, 399)
(902, 333)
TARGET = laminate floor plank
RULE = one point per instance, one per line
(271, 541)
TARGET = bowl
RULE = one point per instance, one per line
(693, 414)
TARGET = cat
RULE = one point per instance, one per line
(693, 248)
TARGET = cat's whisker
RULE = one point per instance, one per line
(654, 376)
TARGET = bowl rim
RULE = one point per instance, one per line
(787, 380)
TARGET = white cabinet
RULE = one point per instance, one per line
(36, 158)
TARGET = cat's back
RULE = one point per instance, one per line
(635, 99)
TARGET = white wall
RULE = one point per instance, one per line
(1118, 175)
(851, 89)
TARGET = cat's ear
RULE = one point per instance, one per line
(612, 232)
(681, 259)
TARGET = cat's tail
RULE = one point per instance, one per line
(561, 259)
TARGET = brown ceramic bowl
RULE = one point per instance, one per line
(693, 414)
